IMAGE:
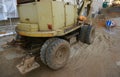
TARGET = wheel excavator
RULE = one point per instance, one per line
(46, 28)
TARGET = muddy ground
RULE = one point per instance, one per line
(100, 59)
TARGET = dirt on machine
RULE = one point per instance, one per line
(46, 28)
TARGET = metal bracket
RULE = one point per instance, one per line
(28, 64)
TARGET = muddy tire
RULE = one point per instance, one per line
(44, 48)
(57, 54)
(90, 34)
(83, 33)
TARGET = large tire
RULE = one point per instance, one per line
(82, 33)
(44, 48)
(87, 34)
(57, 54)
(90, 34)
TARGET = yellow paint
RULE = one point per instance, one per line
(70, 15)
(44, 14)
(35, 17)
(58, 15)
(28, 13)
(37, 34)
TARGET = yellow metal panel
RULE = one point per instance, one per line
(44, 14)
(37, 34)
(58, 14)
(27, 27)
(70, 16)
(28, 13)
(67, 30)
(75, 13)
(47, 33)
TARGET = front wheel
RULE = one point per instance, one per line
(57, 54)
(90, 34)
(87, 34)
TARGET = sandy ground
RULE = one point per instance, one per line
(100, 59)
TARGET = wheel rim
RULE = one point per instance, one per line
(61, 55)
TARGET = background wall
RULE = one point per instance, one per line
(8, 9)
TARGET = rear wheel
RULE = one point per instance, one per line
(57, 54)
(44, 49)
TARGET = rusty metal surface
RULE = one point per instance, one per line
(28, 64)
